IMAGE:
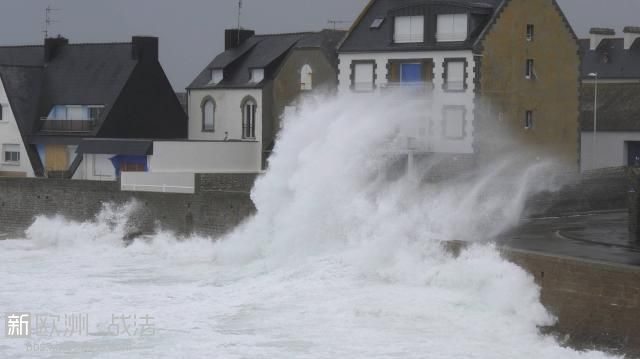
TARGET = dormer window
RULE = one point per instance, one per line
(217, 75)
(452, 27)
(257, 75)
(409, 29)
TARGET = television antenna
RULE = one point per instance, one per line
(239, 13)
(334, 23)
(48, 20)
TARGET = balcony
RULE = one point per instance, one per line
(420, 88)
(78, 126)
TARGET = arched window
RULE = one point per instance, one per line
(249, 107)
(208, 114)
(306, 78)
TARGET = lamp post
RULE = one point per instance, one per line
(595, 119)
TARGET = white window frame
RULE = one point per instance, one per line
(2, 117)
(446, 121)
(452, 27)
(455, 83)
(257, 75)
(364, 76)
(249, 109)
(306, 78)
(408, 29)
(205, 102)
(8, 148)
(217, 75)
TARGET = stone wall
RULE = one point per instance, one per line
(597, 304)
(220, 203)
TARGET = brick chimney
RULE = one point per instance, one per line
(234, 38)
(52, 46)
(144, 48)
(631, 35)
(598, 35)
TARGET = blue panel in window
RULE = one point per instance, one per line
(411, 73)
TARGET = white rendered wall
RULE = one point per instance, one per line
(10, 134)
(438, 98)
(206, 157)
(228, 114)
(610, 149)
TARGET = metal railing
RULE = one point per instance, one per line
(51, 125)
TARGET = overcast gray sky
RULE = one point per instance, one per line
(191, 32)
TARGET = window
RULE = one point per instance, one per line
(257, 75)
(530, 32)
(11, 153)
(1, 112)
(377, 23)
(528, 120)
(363, 76)
(249, 107)
(452, 27)
(530, 72)
(306, 78)
(409, 29)
(208, 114)
(217, 75)
(75, 113)
(455, 76)
(95, 112)
(454, 122)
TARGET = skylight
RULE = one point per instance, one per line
(377, 23)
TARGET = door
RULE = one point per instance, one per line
(411, 73)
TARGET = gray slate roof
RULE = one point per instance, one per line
(622, 64)
(618, 107)
(362, 38)
(261, 51)
(80, 74)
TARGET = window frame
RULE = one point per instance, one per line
(354, 65)
(528, 120)
(6, 151)
(445, 74)
(530, 32)
(444, 121)
(530, 73)
(203, 104)
(442, 37)
(249, 124)
(417, 38)
(304, 86)
(2, 112)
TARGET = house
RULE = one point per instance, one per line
(612, 64)
(499, 76)
(62, 103)
(239, 99)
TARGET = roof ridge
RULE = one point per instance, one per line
(288, 34)
(18, 46)
(23, 66)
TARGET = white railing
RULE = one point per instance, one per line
(158, 182)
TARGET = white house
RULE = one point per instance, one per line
(616, 63)
(15, 161)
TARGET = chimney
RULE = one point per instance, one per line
(598, 35)
(144, 48)
(52, 46)
(631, 34)
(234, 38)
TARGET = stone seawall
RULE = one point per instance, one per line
(597, 304)
(220, 203)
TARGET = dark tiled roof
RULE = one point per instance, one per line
(611, 60)
(618, 107)
(602, 31)
(79, 74)
(363, 38)
(109, 146)
(260, 51)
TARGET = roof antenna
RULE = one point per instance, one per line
(334, 23)
(48, 20)
(239, 13)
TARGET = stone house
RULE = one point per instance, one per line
(498, 76)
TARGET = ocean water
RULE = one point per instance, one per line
(340, 261)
